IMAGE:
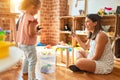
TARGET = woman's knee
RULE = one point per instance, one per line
(86, 64)
(80, 63)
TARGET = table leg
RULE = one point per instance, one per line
(67, 59)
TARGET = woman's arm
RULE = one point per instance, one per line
(82, 44)
(101, 41)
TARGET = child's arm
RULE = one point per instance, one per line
(32, 31)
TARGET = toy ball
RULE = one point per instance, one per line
(44, 69)
(70, 49)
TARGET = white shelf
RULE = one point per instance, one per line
(67, 32)
(79, 32)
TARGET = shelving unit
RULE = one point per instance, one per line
(109, 20)
(113, 22)
(77, 25)
(117, 29)
(9, 18)
(65, 34)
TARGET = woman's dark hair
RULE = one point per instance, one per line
(98, 27)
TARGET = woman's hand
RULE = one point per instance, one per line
(83, 45)
(74, 36)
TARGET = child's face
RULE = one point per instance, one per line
(34, 10)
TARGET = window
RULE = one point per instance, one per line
(14, 4)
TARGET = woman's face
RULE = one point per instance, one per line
(90, 24)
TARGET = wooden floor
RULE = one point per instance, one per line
(62, 73)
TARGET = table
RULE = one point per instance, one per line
(67, 53)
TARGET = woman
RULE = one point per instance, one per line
(100, 59)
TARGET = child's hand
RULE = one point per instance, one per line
(39, 28)
(38, 32)
(35, 21)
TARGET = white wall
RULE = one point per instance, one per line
(75, 10)
(93, 5)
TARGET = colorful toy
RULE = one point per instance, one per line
(46, 68)
(108, 10)
(2, 35)
(40, 44)
(101, 12)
